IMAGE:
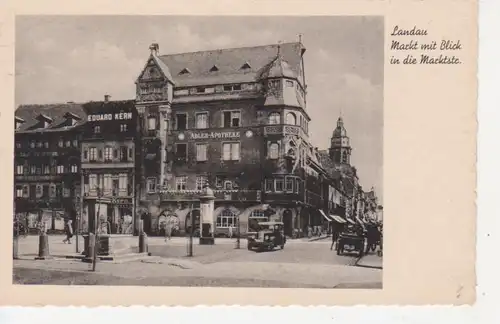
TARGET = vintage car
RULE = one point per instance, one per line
(269, 236)
(351, 241)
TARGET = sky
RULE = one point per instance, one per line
(82, 58)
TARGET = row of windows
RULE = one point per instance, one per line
(230, 151)
(181, 183)
(215, 89)
(287, 184)
(45, 144)
(227, 218)
(124, 154)
(38, 191)
(46, 169)
(109, 183)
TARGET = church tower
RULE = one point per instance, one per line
(340, 149)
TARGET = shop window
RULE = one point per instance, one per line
(226, 219)
(291, 119)
(274, 118)
(273, 151)
(181, 121)
(231, 151)
(201, 152)
(181, 151)
(202, 120)
(231, 119)
(181, 183)
(201, 181)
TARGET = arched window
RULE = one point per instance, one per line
(274, 118)
(274, 149)
(226, 219)
(291, 119)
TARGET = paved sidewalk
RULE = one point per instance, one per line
(370, 261)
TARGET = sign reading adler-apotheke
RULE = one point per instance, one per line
(214, 135)
(117, 116)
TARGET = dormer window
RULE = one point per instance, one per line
(245, 66)
(18, 122)
(214, 68)
(185, 71)
(71, 118)
(44, 120)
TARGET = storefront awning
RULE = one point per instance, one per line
(351, 221)
(338, 219)
(324, 215)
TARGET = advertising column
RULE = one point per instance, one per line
(207, 217)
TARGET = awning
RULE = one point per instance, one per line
(324, 215)
(351, 221)
(338, 219)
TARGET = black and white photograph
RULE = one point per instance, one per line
(207, 151)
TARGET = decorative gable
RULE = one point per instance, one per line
(151, 72)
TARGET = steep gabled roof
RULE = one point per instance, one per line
(55, 112)
(229, 63)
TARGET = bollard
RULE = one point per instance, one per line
(89, 250)
(143, 243)
(43, 247)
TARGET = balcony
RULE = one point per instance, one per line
(284, 130)
(220, 195)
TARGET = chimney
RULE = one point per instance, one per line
(106, 97)
(154, 48)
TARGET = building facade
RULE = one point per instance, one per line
(233, 119)
(47, 164)
(108, 163)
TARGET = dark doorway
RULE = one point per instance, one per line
(288, 222)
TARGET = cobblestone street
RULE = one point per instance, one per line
(300, 264)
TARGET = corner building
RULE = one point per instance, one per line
(234, 119)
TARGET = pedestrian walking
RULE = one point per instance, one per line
(68, 229)
(334, 239)
(231, 231)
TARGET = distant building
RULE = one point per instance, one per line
(235, 119)
(47, 163)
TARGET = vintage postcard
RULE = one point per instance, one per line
(318, 154)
